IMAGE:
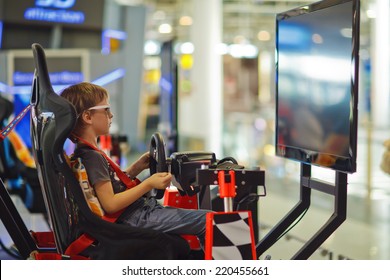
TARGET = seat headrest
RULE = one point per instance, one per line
(42, 71)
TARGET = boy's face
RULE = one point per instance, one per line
(101, 117)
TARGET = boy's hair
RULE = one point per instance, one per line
(83, 96)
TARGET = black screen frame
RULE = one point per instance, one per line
(341, 163)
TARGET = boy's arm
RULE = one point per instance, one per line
(137, 167)
(113, 202)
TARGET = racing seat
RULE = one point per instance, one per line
(52, 120)
(6, 110)
(17, 168)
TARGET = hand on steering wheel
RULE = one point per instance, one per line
(157, 160)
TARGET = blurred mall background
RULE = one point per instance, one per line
(218, 56)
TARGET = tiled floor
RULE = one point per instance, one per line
(364, 235)
(35, 222)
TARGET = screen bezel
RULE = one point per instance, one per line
(342, 163)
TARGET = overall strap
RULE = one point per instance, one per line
(79, 245)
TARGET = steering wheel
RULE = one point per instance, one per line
(157, 161)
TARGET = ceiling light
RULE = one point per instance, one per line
(185, 20)
(346, 32)
(243, 51)
(165, 28)
(371, 13)
(264, 35)
(129, 2)
(317, 38)
(187, 48)
(151, 47)
(159, 15)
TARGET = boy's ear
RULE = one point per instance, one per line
(86, 116)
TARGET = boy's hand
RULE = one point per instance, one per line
(140, 165)
(160, 180)
(143, 162)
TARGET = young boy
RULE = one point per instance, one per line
(94, 119)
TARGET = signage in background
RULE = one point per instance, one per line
(64, 71)
(78, 13)
(52, 23)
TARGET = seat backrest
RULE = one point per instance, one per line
(52, 120)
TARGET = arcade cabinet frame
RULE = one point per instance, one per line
(338, 189)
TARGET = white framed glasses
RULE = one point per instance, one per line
(99, 107)
(105, 107)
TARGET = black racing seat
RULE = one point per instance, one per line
(52, 120)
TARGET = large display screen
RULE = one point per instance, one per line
(317, 84)
(168, 98)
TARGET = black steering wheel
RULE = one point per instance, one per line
(157, 160)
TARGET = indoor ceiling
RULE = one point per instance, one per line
(242, 19)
